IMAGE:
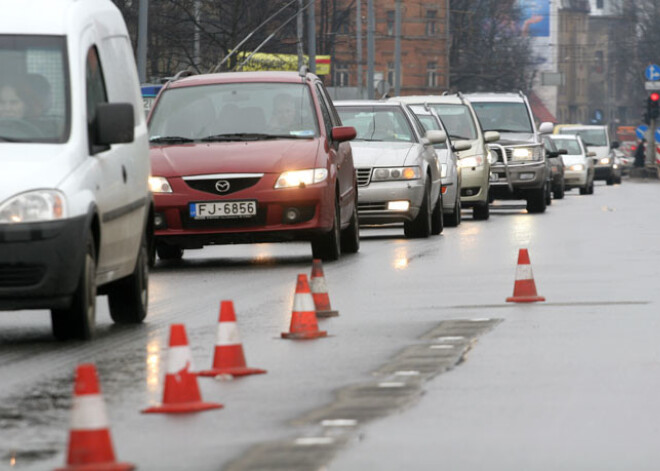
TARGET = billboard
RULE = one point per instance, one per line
(273, 61)
(535, 21)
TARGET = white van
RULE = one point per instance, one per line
(75, 208)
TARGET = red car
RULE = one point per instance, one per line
(251, 157)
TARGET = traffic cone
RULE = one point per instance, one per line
(524, 289)
(229, 358)
(303, 317)
(90, 445)
(181, 393)
(320, 291)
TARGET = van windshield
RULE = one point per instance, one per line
(34, 90)
(590, 137)
(503, 116)
(457, 119)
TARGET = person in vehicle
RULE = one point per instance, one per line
(13, 102)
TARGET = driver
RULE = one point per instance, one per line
(13, 102)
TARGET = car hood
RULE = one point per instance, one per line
(383, 154)
(514, 138)
(573, 159)
(274, 156)
(30, 166)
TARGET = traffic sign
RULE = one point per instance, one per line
(651, 86)
(652, 73)
(657, 135)
(641, 131)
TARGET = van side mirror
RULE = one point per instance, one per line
(591, 154)
(546, 128)
(115, 124)
(616, 145)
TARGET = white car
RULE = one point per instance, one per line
(596, 138)
(578, 163)
(399, 176)
(75, 206)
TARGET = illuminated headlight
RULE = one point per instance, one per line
(301, 178)
(522, 153)
(443, 170)
(576, 168)
(605, 161)
(475, 161)
(159, 185)
(398, 205)
(396, 173)
(34, 206)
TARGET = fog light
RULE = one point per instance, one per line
(291, 215)
(526, 176)
(398, 205)
(159, 221)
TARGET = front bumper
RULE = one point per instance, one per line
(603, 172)
(40, 263)
(374, 198)
(575, 179)
(522, 177)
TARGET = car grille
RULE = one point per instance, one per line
(14, 276)
(235, 184)
(372, 206)
(363, 176)
(224, 223)
(497, 151)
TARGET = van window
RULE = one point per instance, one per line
(34, 89)
(457, 119)
(503, 116)
(591, 137)
(96, 94)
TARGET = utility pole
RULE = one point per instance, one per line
(397, 49)
(371, 27)
(358, 39)
(143, 22)
(197, 54)
(311, 31)
(301, 60)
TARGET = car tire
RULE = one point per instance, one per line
(78, 321)
(610, 180)
(548, 195)
(420, 227)
(169, 252)
(481, 211)
(559, 191)
(617, 180)
(584, 190)
(437, 217)
(590, 189)
(536, 201)
(128, 298)
(327, 246)
(350, 237)
(454, 219)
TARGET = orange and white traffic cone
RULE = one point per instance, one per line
(320, 291)
(303, 317)
(90, 445)
(524, 288)
(181, 393)
(229, 358)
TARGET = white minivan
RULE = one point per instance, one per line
(75, 207)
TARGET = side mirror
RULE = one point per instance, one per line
(562, 151)
(436, 137)
(461, 145)
(491, 136)
(343, 133)
(546, 128)
(616, 145)
(115, 124)
(591, 154)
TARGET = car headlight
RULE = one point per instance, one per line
(475, 161)
(443, 170)
(298, 178)
(159, 185)
(576, 167)
(34, 206)
(396, 173)
(605, 161)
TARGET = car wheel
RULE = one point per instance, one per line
(169, 252)
(584, 190)
(536, 201)
(548, 195)
(420, 227)
(617, 180)
(454, 219)
(350, 237)
(437, 218)
(590, 190)
(610, 180)
(559, 191)
(78, 321)
(327, 246)
(481, 212)
(128, 298)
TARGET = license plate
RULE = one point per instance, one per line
(223, 209)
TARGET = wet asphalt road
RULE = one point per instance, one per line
(519, 387)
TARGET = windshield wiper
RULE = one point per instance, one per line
(509, 130)
(247, 136)
(169, 139)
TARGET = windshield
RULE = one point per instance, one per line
(430, 123)
(34, 90)
(503, 117)
(572, 146)
(234, 111)
(590, 137)
(377, 123)
(457, 119)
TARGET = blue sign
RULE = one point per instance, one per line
(641, 131)
(657, 135)
(652, 73)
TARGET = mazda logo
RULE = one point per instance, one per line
(222, 186)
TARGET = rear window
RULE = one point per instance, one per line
(430, 123)
(34, 89)
(590, 137)
(457, 119)
(377, 123)
(571, 146)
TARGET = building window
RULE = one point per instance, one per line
(391, 75)
(432, 74)
(600, 4)
(431, 21)
(341, 75)
(390, 22)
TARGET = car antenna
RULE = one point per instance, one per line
(303, 71)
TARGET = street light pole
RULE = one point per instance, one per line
(371, 26)
(301, 60)
(397, 49)
(197, 55)
(358, 39)
(143, 22)
(311, 31)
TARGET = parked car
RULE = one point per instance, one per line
(520, 170)
(557, 169)
(579, 162)
(251, 157)
(450, 171)
(461, 121)
(399, 175)
(75, 208)
(597, 139)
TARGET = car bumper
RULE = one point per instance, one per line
(40, 263)
(603, 172)
(527, 176)
(574, 179)
(373, 201)
(474, 186)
